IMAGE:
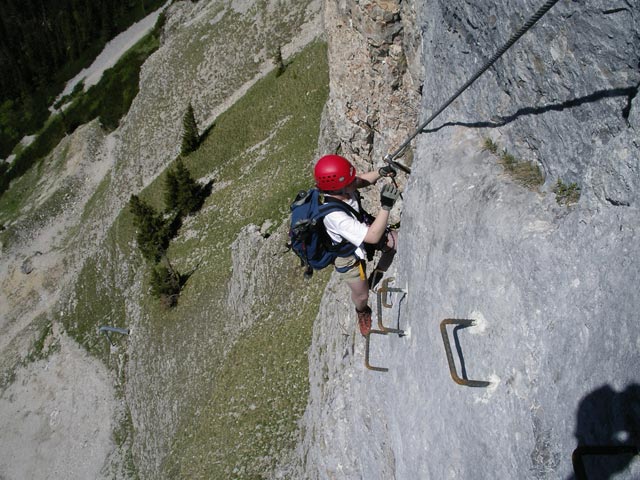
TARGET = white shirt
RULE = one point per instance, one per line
(344, 226)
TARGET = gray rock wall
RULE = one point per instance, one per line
(552, 287)
(561, 96)
(554, 291)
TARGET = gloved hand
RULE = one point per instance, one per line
(387, 171)
(388, 196)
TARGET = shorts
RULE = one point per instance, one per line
(356, 269)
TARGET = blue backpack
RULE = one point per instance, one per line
(307, 234)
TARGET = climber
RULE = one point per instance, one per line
(336, 177)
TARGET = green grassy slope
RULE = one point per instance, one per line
(219, 386)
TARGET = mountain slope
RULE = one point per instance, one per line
(91, 272)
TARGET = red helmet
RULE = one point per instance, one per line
(333, 172)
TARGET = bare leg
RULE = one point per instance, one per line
(359, 293)
(360, 297)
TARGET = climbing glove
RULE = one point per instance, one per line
(388, 196)
(387, 171)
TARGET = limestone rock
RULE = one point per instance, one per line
(373, 94)
(552, 287)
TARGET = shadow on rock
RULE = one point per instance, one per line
(629, 92)
(607, 432)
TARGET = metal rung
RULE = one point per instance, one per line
(583, 450)
(366, 351)
(382, 302)
(385, 288)
(447, 349)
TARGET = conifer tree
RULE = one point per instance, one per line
(152, 232)
(165, 283)
(190, 137)
(171, 188)
(278, 61)
(182, 192)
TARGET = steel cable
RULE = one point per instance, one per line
(514, 38)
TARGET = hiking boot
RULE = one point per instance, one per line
(364, 320)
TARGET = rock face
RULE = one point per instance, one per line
(562, 96)
(374, 93)
(552, 287)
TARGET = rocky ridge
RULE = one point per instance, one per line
(375, 82)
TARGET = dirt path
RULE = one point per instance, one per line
(111, 53)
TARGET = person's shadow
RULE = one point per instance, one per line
(607, 431)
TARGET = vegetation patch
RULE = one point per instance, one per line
(22, 189)
(251, 417)
(109, 100)
(566, 194)
(183, 196)
(237, 384)
(37, 61)
(41, 345)
(490, 146)
(527, 174)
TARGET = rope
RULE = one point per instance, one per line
(537, 16)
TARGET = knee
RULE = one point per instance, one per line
(360, 293)
(361, 298)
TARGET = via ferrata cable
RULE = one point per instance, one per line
(389, 158)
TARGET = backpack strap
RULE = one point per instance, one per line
(331, 204)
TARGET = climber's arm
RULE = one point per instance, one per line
(377, 228)
(366, 179)
(370, 178)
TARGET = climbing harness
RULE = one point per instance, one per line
(389, 158)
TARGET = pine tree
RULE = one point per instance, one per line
(182, 192)
(165, 283)
(152, 232)
(190, 138)
(188, 189)
(278, 61)
(171, 193)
